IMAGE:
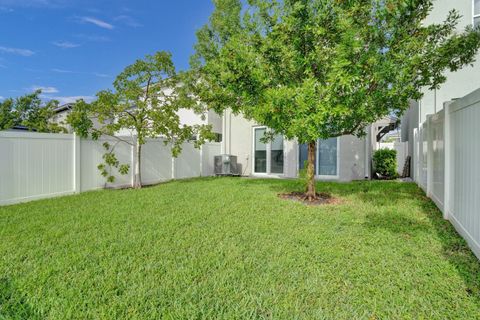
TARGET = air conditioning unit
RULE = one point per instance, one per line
(226, 165)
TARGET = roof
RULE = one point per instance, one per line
(21, 128)
(64, 107)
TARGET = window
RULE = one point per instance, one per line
(218, 137)
(303, 157)
(276, 155)
(326, 159)
(260, 151)
(476, 13)
(268, 157)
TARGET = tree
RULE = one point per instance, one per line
(317, 69)
(146, 98)
(31, 112)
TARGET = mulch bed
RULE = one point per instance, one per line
(322, 198)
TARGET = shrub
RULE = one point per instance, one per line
(385, 163)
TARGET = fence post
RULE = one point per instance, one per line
(448, 162)
(201, 160)
(415, 155)
(133, 160)
(429, 155)
(173, 167)
(76, 164)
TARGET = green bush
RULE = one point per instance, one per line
(385, 163)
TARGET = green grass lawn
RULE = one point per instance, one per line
(231, 249)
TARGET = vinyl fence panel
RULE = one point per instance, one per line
(188, 163)
(156, 162)
(447, 158)
(35, 166)
(91, 155)
(209, 151)
(437, 145)
(464, 207)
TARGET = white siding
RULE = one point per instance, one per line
(463, 81)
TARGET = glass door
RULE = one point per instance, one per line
(268, 157)
(260, 160)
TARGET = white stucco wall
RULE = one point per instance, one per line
(459, 83)
(352, 158)
(239, 142)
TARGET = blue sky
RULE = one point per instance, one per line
(74, 48)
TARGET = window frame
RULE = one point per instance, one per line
(269, 156)
(327, 177)
(317, 162)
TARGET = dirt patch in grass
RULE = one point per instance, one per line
(321, 199)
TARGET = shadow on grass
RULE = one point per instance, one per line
(13, 304)
(391, 194)
(456, 250)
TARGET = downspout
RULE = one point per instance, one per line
(224, 132)
(230, 133)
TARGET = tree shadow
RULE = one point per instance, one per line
(390, 194)
(454, 248)
(13, 304)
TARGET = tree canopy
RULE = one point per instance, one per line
(146, 99)
(316, 69)
(30, 112)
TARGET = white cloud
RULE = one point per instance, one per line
(62, 71)
(45, 89)
(97, 22)
(101, 75)
(96, 74)
(66, 44)
(71, 99)
(17, 51)
(35, 3)
(5, 9)
(93, 38)
(2, 98)
(129, 21)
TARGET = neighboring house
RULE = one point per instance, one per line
(187, 117)
(61, 113)
(18, 129)
(458, 84)
(344, 158)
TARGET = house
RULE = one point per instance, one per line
(187, 117)
(345, 158)
(61, 113)
(19, 128)
(458, 84)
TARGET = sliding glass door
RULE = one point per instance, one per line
(268, 157)
(260, 160)
(326, 158)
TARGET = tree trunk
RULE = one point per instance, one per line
(311, 193)
(137, 181)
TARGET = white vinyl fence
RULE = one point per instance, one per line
(447, 164)
(37, 165)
